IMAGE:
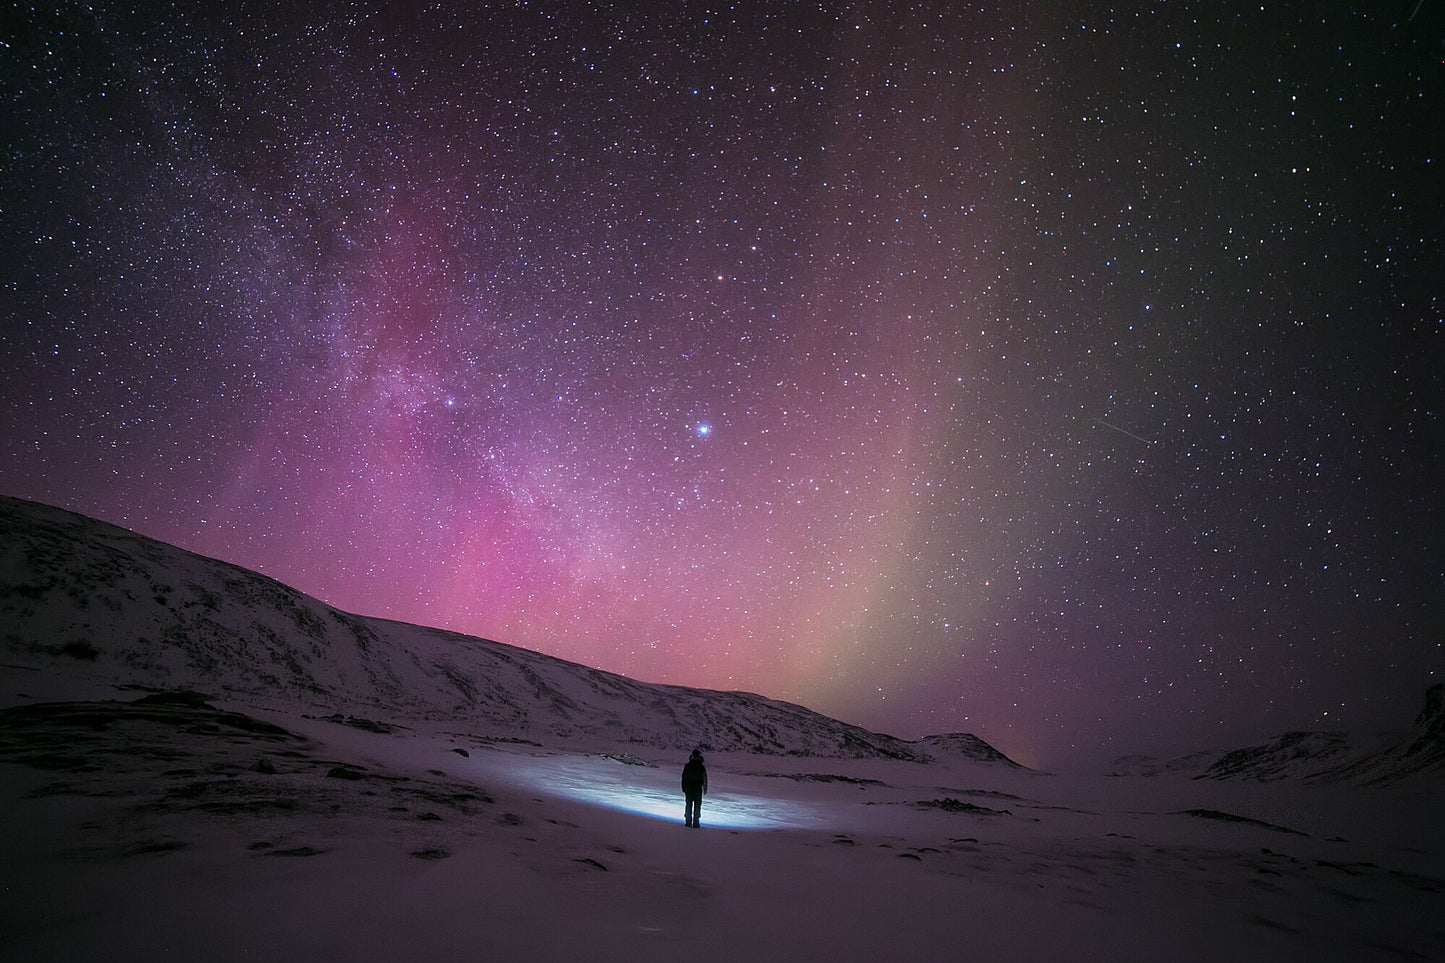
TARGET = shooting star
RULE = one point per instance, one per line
(1123, 432)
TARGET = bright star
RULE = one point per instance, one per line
(704, 428)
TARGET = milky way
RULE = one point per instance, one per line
(1067, 375)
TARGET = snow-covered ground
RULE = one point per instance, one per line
(357, 789)
(182, 832)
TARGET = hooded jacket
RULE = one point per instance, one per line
(694, 775)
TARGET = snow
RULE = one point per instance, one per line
(561, 853)
(651, 791)
(354, 789)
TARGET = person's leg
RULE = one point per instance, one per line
(697, 811)
(689, 808)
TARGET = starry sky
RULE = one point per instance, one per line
(1065, 373)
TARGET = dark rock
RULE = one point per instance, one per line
(950, 805)
(177, 697)
(1225, 817)
(345, 772)
(296, 851)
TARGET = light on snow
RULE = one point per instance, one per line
(646, 791)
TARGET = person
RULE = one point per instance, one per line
(694, 787)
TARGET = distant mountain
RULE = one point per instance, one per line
(1375, 759)
(87, 605)
(964, 744)
(1142, 765)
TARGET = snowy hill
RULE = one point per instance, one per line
(87, 606)
(964, 745)
(1339, 757)
(1373, 759)
(1143, 765)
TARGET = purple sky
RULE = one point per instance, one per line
(1067, 376)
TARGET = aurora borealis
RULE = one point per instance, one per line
(1066, 374)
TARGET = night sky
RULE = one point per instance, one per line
(1070, 375)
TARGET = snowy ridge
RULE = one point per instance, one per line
(1339, 757)
(965, 745)
(1375, 759)
(96, 606)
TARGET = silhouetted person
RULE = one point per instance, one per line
(694, 787)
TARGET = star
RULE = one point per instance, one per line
(1056, 396)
